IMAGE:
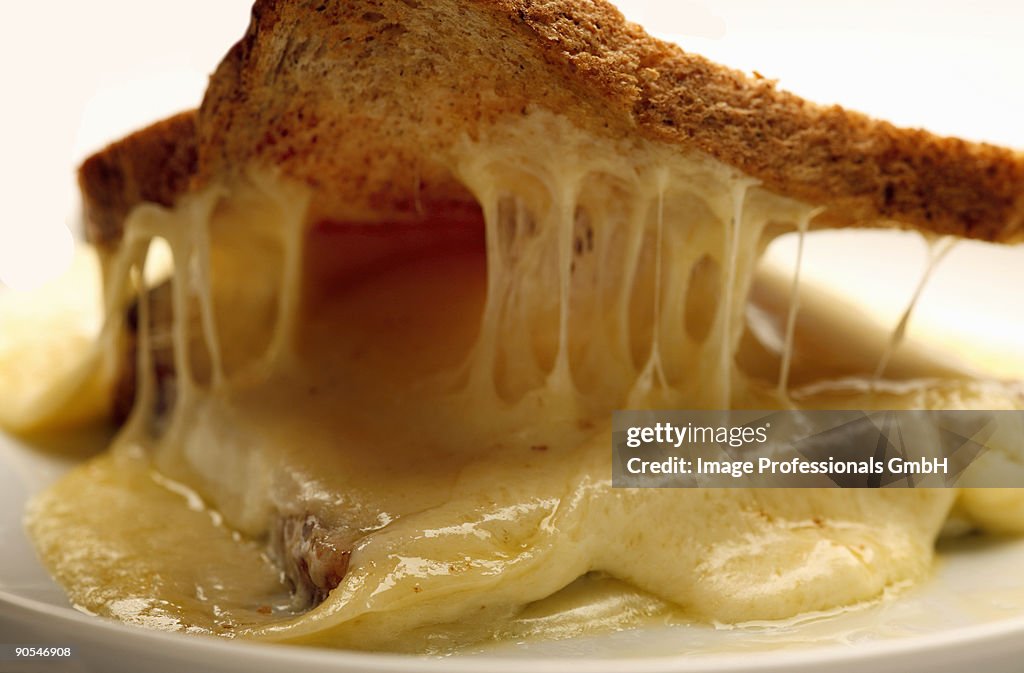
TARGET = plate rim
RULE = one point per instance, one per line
(996, 639)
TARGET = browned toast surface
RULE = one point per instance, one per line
(362, 100)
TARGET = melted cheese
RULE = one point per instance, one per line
(447, 418)
(938, 248)
(794, 306)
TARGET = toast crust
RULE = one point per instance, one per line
(362, 101)
(154, 165)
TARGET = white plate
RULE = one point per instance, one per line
(970, 615)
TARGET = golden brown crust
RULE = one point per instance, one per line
(153, 165)
(862, 169)
(362, 99)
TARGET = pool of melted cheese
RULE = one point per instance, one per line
(445, 413)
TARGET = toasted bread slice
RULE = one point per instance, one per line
(362, 100)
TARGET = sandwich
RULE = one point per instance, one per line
(420, 252)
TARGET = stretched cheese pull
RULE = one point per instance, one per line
(580, 64)
(937, 251)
